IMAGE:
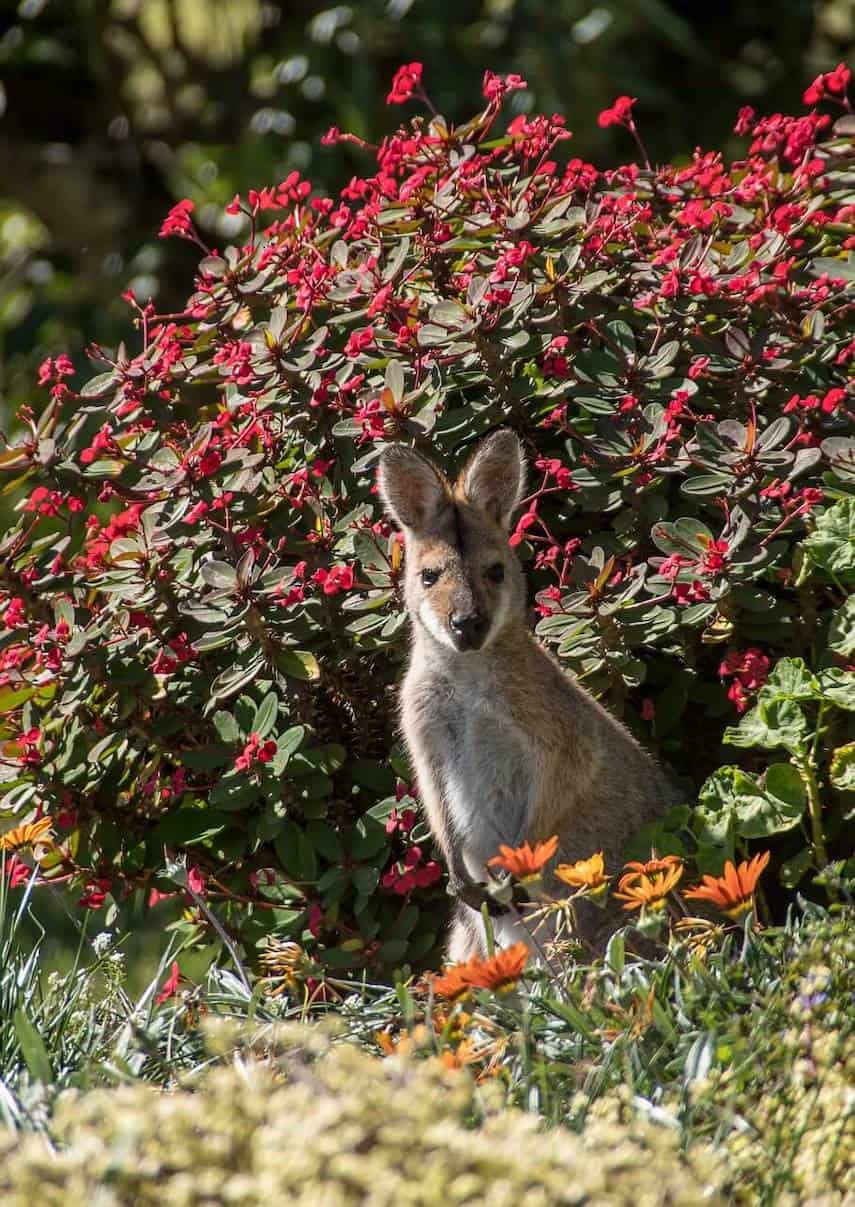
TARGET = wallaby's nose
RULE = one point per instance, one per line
(469, 629)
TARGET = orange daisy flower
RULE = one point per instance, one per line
(500, 971)
(27, 835)
(585, 873)
(638, 889)
(732, 893)
(525, 862)
(657, 864)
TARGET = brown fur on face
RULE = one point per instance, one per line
(463, 584)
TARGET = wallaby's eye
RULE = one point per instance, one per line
(496, 573)
(429, 577)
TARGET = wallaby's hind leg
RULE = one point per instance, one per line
(465, 936)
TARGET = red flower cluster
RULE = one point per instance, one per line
(255, 751)
(619, 114)
(748, 670)
(178, 221)
(407, 80)
(413, 872)
(496, 87)
(222, 528)
(829, 85)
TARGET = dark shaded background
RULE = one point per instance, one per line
(110, 110)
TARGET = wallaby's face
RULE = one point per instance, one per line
(463, 583)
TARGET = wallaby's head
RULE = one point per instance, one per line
(463, 583)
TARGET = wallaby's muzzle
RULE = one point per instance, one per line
(468, 630)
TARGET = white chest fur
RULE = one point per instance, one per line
(488, 771)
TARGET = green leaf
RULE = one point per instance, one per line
(286, 744)
(841, 635)
(842, 769)
(783, 782)
(296, 853)
(299, 664)
(226, 726)
(220, 575)
(733, 798)
(792, 871)
(187, 826)
(790, 679)
(101, 384)
(205, 758)
(265, 717)
(33, 1048)
(839, 687)
(831, 546)
(325, 839)
(371, 838)
(234, 793)
(237, 676)
(769, 725)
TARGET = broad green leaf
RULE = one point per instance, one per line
(226, 726)
(734, 798)
(842, 769)
(839, 687)
(298, 664)
(790, 679)
(219, 574)
(841, 635)
(831, 546)
(234, 792)
(265, 717)
(296, 853)
(286, 744)
(240, 675)
(188, 826)
(769, 725)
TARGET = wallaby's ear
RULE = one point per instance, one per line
(412, 489)
(494, 479)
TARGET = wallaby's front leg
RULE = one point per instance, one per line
(461, 883)
(506, 825)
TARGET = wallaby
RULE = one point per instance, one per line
(505, 745)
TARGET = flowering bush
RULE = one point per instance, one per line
(201, 607)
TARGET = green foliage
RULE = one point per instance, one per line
(718, 1073)
(111, 112)
(203, 625)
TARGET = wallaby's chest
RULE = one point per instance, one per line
(486, 764)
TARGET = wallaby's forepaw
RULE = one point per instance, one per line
(475, 894)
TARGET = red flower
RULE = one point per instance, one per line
(17, 872)
(334, 580)
(170, 985)
(196, 882)
(495, 87)
(620, 114)
(255, 751)
(407, 79)
(95, 893)
(359, 341)
(828, 85)
(744, 120)
(177, 221)
(749, 671)
(698, 367)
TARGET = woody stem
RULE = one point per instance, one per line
(807, 771)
